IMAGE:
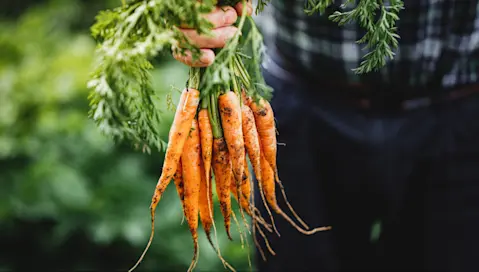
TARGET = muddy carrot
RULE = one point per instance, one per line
(264, 118)
(230, 112)
(252, 145)
(178, 179)
(192, 173)
(206, 204)
(245, 185)
(206, 136)
(223, 175)
(179, 130)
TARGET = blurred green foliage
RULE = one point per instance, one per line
(70, 198)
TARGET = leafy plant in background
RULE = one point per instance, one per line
(377, 17)
(69, 198)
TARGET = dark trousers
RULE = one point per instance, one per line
(417, 172)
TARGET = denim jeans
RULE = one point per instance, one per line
(417, 172)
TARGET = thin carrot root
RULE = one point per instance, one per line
(150, 240)
(258, 246)
(208, 236)
(239, 229)
(303, 231)
(266, 241)
(245, 222)
(254, 219)
(241, 191)
(217, 249)
(269, 191)
(255, 238)
(249, 257)
(287, 202)
(252, 211)
(265, 203)
(261, 220)
(196, 254)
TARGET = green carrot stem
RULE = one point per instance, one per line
(194, 78)
(234, 82)
(204, 103)
(214, 116)
(227, 87)
(241, 72)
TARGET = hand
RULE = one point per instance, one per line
(222, 19)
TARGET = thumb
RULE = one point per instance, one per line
(249, 8)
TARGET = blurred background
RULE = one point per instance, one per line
(71, 199)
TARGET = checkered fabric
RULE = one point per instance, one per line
(439, 40)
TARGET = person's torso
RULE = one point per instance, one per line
(438, 41)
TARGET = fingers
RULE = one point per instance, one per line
(224, 16)
(218, 38)
(207, 57)
(249, 8)
(222, 19)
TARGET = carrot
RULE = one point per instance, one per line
(245, 186)
(264, 118)
(185, 113)
(192, 173)
(180, 188)
(230, 112)
(179, 130)
(206, 136)
(205, 204)
(245, 98)
(268, 183)
(222, 170)
(252, 145)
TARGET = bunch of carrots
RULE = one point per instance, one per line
(223, 118)
(215, 136)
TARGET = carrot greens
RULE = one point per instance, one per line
(381, 37)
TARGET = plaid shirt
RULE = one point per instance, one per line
(439, 40)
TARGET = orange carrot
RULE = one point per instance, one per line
(185, 113)
(192, 173)
(180, 188)
(268, 184)
(252, 144)
(222, 170)
(206, 136)
(245, 98)
(206, 204)
(264, 118)
(179, 130)
(245, 186)
(206, 200)
(230, 112)
(251, 139)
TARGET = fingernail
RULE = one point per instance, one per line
(205, 59)
(229, 17)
